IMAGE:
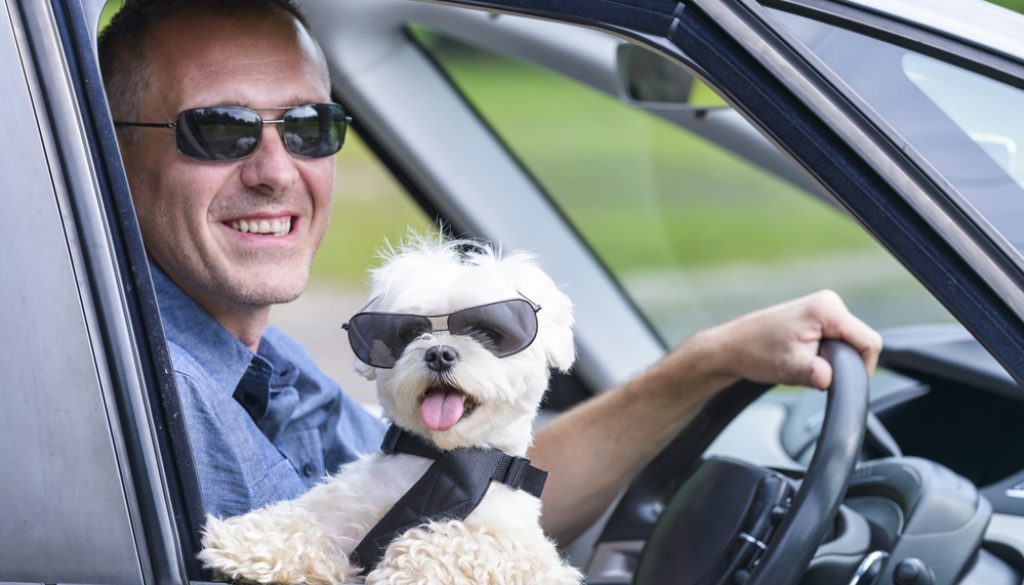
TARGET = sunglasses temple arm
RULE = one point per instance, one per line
(145, 124)
(535, 306)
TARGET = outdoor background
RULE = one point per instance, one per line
(733, 240)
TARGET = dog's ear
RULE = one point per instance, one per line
(554, 319)
(367, 371)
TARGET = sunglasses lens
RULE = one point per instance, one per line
(378, 339)
(315, 130)
(504, 328)
(217, 134)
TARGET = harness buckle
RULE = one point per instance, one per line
(391, 440)
(515, 472)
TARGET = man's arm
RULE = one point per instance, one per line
(595, 450)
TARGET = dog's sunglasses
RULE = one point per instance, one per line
(228, 133)
(503, 328)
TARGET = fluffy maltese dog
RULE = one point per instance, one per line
(461, 340)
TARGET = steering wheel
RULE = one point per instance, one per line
(732, 522)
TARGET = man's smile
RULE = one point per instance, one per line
(277, 226)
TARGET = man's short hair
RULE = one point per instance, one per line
(122, 54)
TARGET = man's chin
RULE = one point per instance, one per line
(266, 296)
(246, 290)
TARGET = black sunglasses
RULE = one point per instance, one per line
(227, 133)
(503, 327)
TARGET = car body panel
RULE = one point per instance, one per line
(64, 486)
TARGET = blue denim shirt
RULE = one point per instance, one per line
(264, 426)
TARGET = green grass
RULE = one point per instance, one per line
(644, 194)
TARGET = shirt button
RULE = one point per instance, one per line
(309, 470)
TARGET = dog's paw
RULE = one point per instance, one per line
(450, 553)
(265, 549)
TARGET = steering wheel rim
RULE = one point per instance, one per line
(796, 538)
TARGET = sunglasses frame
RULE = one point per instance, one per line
(434, 320)
(279, 122)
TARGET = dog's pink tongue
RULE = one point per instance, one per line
(441, 410)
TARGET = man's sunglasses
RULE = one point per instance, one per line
(227, 133)
(503, 328)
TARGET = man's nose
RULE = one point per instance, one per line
(271, 169)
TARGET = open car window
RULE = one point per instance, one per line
(659, 205)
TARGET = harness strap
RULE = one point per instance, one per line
(515, 472)
(452, 488)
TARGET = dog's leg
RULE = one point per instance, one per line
(281, 544)
(450, 553)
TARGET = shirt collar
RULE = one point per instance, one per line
(191, 328)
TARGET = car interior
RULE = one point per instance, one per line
(664, 201)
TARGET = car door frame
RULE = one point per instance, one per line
(160, 491)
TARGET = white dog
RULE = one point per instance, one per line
(459, 379)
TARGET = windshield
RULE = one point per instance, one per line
(965, 124)
(693, 233)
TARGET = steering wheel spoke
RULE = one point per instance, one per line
(735, 522)
(742, 506)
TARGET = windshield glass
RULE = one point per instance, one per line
(968, 126)
(694, 233)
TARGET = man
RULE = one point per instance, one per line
(265, 423)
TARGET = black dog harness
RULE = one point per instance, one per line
(452, 487)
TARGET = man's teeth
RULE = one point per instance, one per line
(275, 227)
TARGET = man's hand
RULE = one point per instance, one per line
(600, 446)
(779, 345)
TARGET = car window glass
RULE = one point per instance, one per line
(966, 125)
(694, 234)
(978, 105)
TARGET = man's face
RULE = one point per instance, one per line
(189, 210)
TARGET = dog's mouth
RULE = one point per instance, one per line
(444, 405)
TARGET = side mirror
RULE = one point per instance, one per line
(647, 77)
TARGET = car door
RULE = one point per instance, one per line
(93, 489)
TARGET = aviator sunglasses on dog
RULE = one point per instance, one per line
(503, 328)
(228, 133)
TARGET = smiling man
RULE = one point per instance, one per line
(232, 211)
(244, 235)
(227, 133)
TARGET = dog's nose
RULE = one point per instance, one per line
(441, 357)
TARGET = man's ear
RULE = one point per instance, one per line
(367, 371)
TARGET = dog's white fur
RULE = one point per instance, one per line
(308, 540)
